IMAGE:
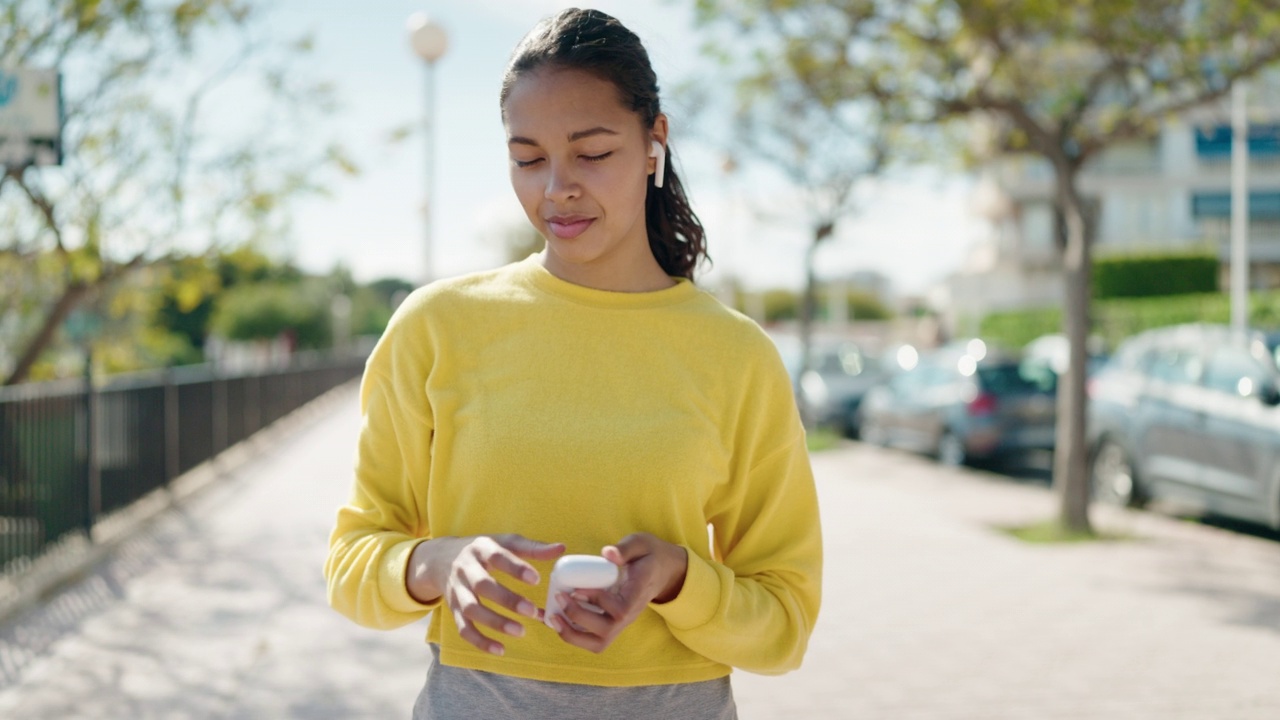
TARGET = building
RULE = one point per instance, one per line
(1169, 192)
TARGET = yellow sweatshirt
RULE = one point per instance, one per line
(511, 401)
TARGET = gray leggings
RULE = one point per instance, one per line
(455, 693)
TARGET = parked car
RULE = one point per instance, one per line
(1054, 352)
(1189, 413)
(963, 405)
(842, 374)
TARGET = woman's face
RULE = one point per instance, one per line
(580, 167)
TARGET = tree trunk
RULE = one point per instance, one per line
(1071, 455)
(52, 321)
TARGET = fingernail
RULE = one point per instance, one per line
(579, 597)
(527, 609)
(562, 599)
(496, 649)
(530, 577)
(555, 623)
(514, 629)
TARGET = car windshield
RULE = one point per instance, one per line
(1012, 378)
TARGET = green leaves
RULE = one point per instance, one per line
(146, 171)
(1058, 75)
(84, 13)
(265, 311)
(337, 156)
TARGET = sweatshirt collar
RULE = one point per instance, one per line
(532, 270)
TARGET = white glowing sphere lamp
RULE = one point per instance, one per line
(428, 39)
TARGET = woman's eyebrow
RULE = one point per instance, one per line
(573, 137)
(588, 133)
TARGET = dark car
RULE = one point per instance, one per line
(1189, 413)
(963, 406)
(842, 373)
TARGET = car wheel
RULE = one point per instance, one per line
(1114, 479)
(951, 450)
(850, 426)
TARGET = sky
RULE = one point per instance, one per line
(914, 228)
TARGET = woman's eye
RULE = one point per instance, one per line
(526, 163)
(596, 158)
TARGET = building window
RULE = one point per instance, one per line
(1214, 143)
(1263, 205)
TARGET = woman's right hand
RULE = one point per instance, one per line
(461, 569)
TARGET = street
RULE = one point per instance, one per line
(217, 609)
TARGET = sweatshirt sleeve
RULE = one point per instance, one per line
(754, 605)
(386, 518)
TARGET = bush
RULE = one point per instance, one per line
(1016, 328)
(785, 305)
(1155, 275)
(862, 306)
(369, 312)
(265, 311)
(1119, 318)
(781, 305)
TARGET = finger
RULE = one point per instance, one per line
(481, 615)
(631, 547)
(532, 549)
(592, 643)
(613, 604)
(506, 561)
(613, 555)
(466, 628)
(476, 613)
(592, 622)
(493, 591)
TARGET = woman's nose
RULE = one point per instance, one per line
(561, 183)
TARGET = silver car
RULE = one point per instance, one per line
(963, 407)
(1189, 413)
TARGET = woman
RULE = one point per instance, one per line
(590, 399)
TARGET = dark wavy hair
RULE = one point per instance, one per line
(593, 42)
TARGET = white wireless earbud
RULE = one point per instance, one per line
(660, 171)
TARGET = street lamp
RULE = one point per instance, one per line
(429, 41)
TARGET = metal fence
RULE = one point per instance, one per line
(71, 453)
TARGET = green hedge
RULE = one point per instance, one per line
(264, 311)
(785, 305)
(1116, 319)
(1155, 275)
(1016, 328)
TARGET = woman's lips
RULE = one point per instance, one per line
(568, 228)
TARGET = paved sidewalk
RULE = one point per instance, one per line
(930, 612)
(217, 609)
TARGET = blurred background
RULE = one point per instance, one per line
(1036, 241)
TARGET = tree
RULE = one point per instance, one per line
(152, 165)
(799, 109)
(265, 311)
(1063, 80)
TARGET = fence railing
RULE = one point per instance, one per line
(70, 453)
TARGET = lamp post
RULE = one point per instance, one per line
(429, 41)
(1239, 208)
(82, 327)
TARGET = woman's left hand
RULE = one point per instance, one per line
(652, 570)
